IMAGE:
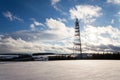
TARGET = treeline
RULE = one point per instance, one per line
(103, 56)
(106, 56)
(62, 57)
(16, 57)
(38, 56)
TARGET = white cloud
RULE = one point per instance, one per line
(8, 15)
(54, 4)
(11, 17)
(32, 26)
(62, 19)
(59, 28)
(114, 1)
(59, 38)
(55, 39)
(35, 24)
(118, 14)
(54, 24)
(94, 38)
(17, 18)
(9, 45)
(1, 36)
(87, 13)
(112, 21)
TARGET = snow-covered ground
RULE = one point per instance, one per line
(61, 70)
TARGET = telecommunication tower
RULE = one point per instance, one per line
(77, 39)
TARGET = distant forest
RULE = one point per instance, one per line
(53, 56)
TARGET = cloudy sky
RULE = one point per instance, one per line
(48, 25)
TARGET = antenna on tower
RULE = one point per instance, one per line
(77, 39)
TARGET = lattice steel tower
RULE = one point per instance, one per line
(77, 39)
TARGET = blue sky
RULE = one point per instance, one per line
(48, 25)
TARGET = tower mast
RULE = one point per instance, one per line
(77, 39)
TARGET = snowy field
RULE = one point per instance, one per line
(61, 70)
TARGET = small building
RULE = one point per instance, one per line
(41, 58)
